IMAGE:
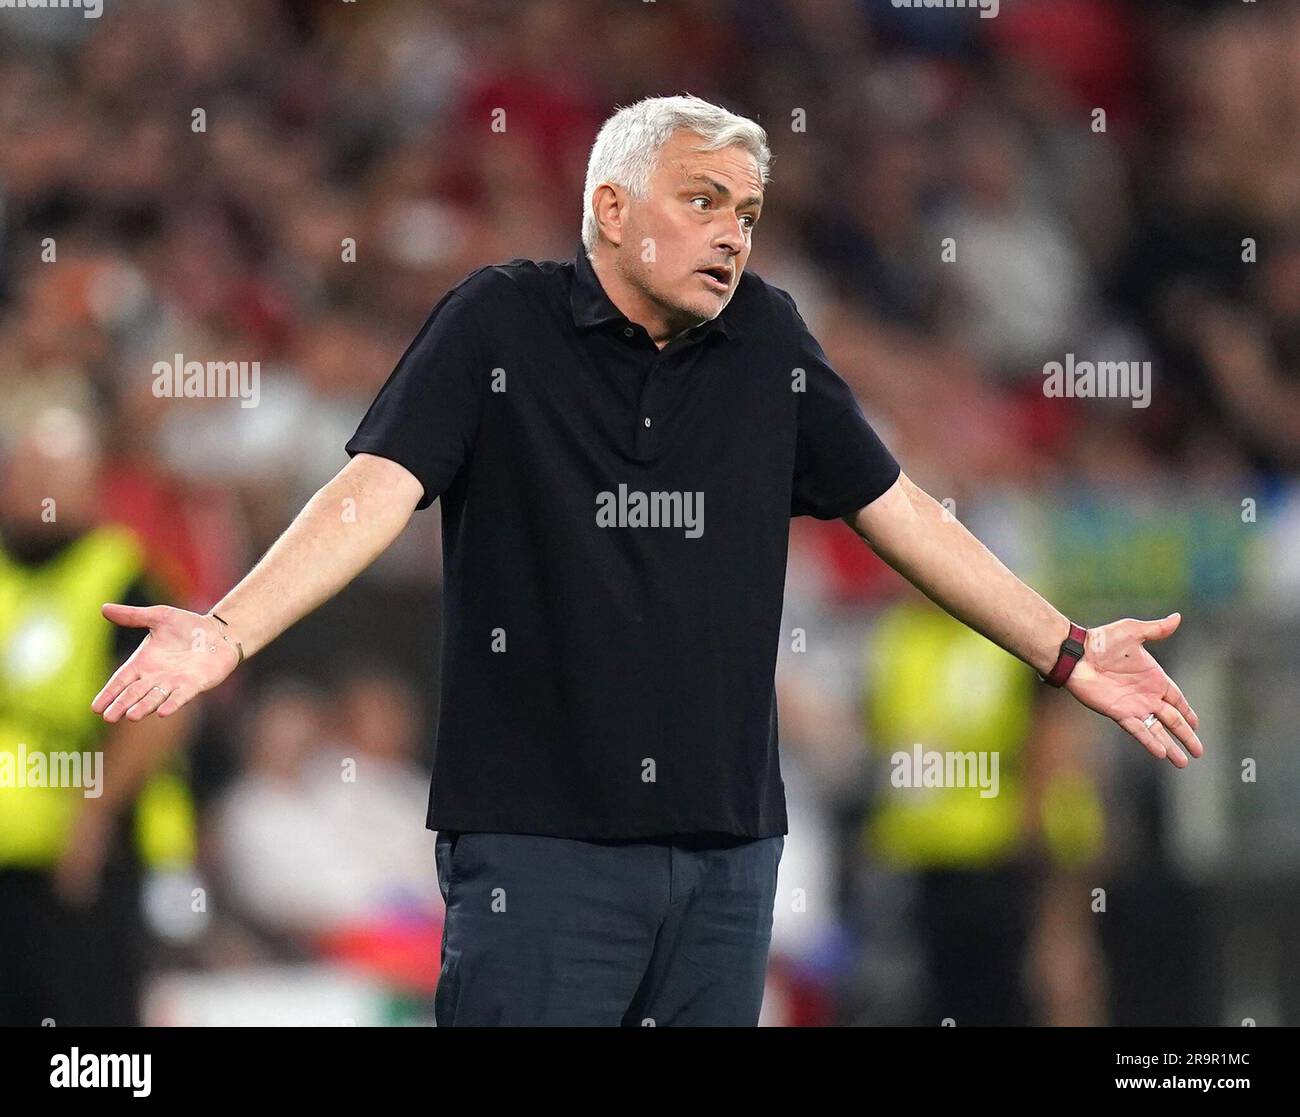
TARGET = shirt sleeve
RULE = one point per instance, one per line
(426, 415)
(840, 463)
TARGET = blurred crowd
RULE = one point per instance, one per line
(955, 202)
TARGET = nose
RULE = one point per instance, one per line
(730, 234)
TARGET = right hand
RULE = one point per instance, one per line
(183, 653)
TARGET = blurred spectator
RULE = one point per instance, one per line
(325, 827)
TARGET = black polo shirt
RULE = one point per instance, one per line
(615, 529)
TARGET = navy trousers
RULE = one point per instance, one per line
(547, 931)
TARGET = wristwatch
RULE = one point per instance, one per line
(1071, 653)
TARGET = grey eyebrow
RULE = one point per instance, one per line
(722, 191)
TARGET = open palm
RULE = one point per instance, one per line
(182, 656)
(1118, 677)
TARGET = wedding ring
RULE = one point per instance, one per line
(1148, 720)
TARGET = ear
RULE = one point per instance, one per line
(609, 203)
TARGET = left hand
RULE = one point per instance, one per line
(1118, 677)
(78, 873)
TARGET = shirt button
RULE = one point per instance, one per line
(628, 331)
(647, 420)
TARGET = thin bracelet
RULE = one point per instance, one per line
(238, 644)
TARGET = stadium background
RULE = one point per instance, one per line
(1100, 887)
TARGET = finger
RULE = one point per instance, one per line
(1172, 719)
(174, 701)
(123, 677)
(124, 701)
(1158, 630)
(152, 698)
(131, 616)
(1175, 696)
(1177, 757)
(1144, 736)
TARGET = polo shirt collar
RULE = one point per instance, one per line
(592, 306)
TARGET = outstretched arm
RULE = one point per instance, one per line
(345, 526)
(1117, 676)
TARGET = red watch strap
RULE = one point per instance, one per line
(1071, 653)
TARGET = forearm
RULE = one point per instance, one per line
(131, 756)
(345, 526)
(912, 532)
(1261, 399)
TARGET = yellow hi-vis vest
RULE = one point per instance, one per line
(934, 682)
(56, 652)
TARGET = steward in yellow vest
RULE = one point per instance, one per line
(56, 649)
(953, 716)
(936, 686)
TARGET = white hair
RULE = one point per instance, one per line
(627, 146)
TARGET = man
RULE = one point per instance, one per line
(619, 443)
(86, 809)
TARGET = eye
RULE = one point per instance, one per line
(751, 219)
(700, 198)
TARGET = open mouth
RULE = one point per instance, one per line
(718, 277)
